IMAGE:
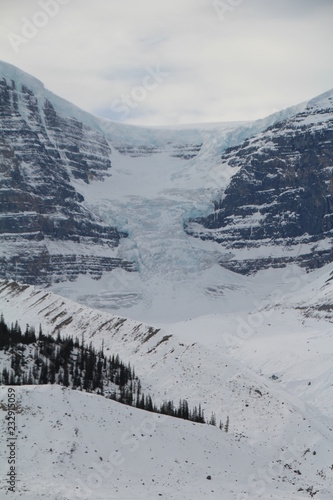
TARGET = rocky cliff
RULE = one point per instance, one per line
(41, 153)
(278, 207)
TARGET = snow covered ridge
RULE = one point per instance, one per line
(145, 136)
(285, 442)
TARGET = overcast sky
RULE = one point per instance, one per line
(155, 62)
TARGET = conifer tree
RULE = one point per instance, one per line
(212, 419)
(226, 427)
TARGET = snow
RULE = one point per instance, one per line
(113, 451)
(257, 349)
(272, 422)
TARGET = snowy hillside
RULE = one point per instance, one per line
(76, 445)
(272, 422)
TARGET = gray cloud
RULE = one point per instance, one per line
(287, 9)
(257, 58)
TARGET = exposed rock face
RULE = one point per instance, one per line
(183, 151)
(39, 266)
(41, 153)
(281, 198)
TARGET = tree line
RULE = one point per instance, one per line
(35, 359)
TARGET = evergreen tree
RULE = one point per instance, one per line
(44, 373)
(66, 377)
(12, 380)
(212, 419)
(149, 403)
(226, 427)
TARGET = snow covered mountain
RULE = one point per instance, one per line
(103, 206)
(40, 153)
(147, 226)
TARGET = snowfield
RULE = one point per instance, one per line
(76, 445)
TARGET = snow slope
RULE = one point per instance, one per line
(271, 425)
(111, 451)
(284, 334)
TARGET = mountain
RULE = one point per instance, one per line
(278, 207)
(41, 152)
(204, 255)
(95, 200)
(280, 427)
